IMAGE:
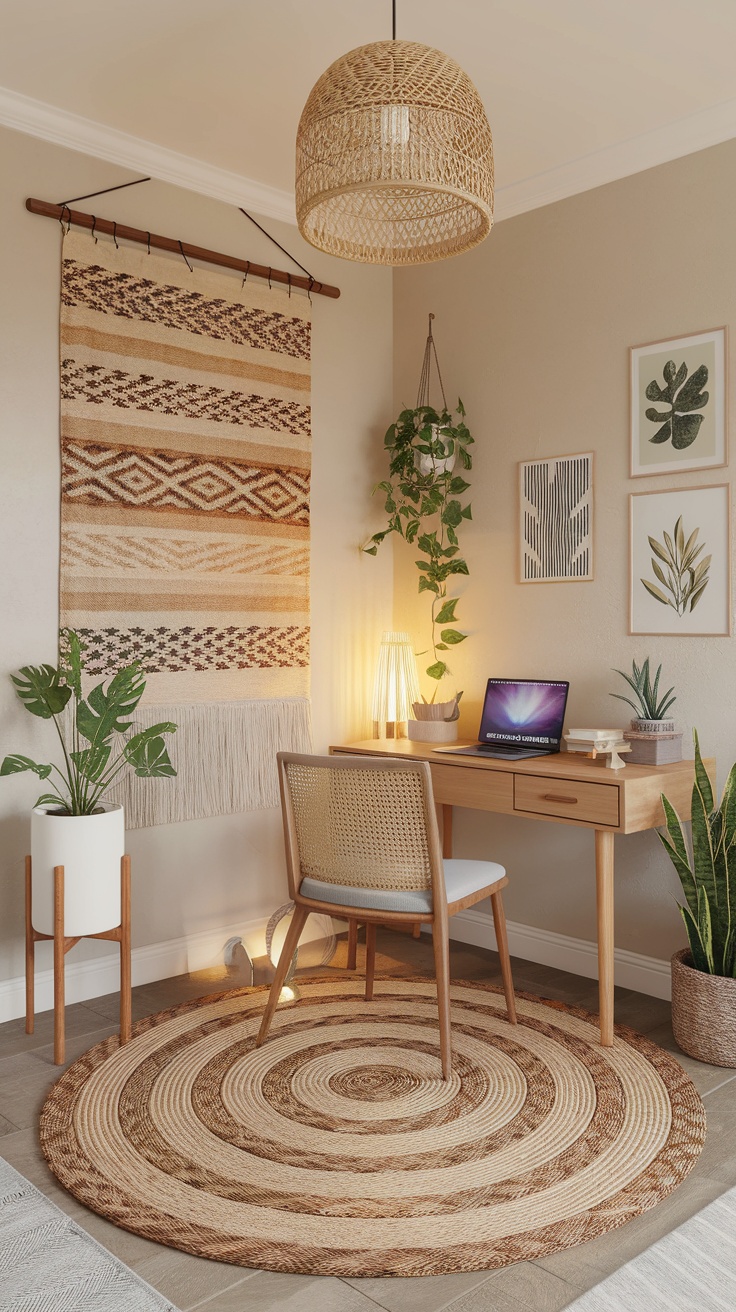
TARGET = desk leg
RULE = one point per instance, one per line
(446, 830)
(604, 890)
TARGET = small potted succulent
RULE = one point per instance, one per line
(652, 734)
(422, 501)
(72, 824)
(704, 975)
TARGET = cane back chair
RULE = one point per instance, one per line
(362, 842)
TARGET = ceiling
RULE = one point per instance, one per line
(578, 92)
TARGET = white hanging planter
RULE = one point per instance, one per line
(437, 465)
(89, 847)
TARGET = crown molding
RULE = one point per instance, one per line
(82, 134)
(706, 127)
(698, 131)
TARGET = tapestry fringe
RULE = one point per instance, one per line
(225, 757)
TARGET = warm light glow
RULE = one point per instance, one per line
(396, 687)
(394, 125)
(289, 993)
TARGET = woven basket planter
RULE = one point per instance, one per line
(703, 1012)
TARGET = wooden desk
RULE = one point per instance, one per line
(565, 789)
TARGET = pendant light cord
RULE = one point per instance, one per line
(393, 6)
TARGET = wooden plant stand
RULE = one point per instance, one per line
(120, 934)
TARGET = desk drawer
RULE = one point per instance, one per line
(481, 789)
(591, 804)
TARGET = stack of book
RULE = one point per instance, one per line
(598, 742)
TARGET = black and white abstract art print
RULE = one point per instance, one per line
(556, 519)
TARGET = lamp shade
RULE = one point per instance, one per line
(394, 157)
(396, 687)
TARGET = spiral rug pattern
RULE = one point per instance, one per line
(337, 1149)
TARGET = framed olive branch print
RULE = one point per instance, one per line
(678, 404)
(681, 561)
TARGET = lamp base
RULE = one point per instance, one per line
(389, 729)
(432, 731)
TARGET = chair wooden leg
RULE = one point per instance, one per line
(370, 958)
(352, 944)
(30, 954)
(291, 942)
(441, 945)
(125, 979)
(59, 1040)
(499, 924)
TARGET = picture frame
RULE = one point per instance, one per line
(556, 519)
(680, 561)
(692, 369)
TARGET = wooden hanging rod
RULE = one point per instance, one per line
(50, 211)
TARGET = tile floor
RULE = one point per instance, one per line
(27, 1072)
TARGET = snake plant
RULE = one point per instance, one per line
(707, 870)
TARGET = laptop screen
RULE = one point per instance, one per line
(524, 713)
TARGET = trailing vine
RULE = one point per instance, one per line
(422, 501)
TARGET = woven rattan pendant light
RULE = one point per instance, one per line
(394, 158)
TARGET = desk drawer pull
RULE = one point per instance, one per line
(555, 797)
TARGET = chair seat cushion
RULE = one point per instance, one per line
(462, 878)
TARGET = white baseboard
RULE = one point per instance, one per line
(100, 975)
(576, 955)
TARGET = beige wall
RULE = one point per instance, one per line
(533, 330)
(206, 874)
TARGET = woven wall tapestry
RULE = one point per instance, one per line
(185, 453)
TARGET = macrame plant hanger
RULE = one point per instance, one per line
(430, 352)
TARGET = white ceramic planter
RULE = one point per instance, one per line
(439, 465)
(89, 847)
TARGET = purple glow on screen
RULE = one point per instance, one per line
(520, 710)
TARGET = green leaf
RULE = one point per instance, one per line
(685, 429)
(446, 614)
(656, 592)
(17, 764)
(437, 671)
(107, 710)
(700, 960)
(70, 660)
(452, 637)
(660, 551)
(52, 799)
(91, 761)
(691, 397)
(41, 690)
(147, 753)
(702, 779)
(662, 434)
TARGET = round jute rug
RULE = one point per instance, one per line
(337, 1149)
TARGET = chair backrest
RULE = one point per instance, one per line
(364, 821)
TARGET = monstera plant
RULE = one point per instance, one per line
(94, 732)
(684, 397)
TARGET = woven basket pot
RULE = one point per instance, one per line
(703, 1012)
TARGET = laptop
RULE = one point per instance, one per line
(521, 718)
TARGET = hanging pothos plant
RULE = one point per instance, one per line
(423, 505)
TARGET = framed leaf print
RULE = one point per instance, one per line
(678, 404)
(681, 561)
(556, 519)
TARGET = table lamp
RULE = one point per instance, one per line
(396, 687)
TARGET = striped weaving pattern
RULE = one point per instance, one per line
(185, 480)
